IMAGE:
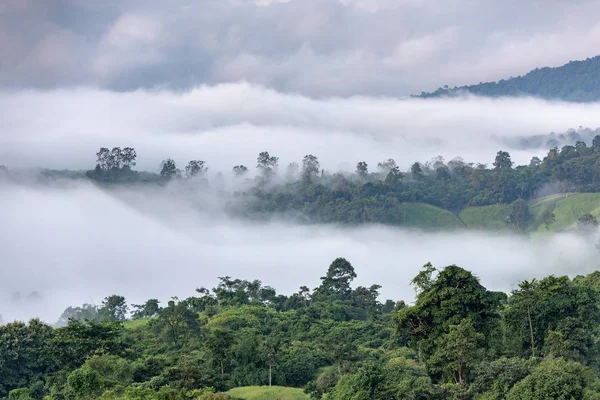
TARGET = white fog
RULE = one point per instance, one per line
(74, 243)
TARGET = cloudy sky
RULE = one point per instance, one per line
(311, 47)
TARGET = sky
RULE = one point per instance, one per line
(317, 48)
(221, 81)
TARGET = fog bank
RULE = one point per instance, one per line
(76, 243)
(230, 124)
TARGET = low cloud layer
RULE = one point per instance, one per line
(313, 47)
(230, 124)
(74, 243)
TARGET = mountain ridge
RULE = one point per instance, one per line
(575, 81)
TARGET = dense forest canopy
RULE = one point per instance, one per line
(577, 81)
(337, 341)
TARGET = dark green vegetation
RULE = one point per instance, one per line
(458, 341)
(577, 81)
(431, 195)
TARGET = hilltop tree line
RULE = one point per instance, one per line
(575, 81)
(458, 340)
(307, 192)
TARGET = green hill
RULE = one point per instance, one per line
(486, 217)
(567, 208)
(268, 393)
(428, 217)
(577, 81)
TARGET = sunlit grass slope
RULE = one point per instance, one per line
(268, 393)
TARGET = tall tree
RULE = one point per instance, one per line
(362, 169)
(523, 299)
(195, 168)
(114, 308)
(340, 275)
(503, 161)
(128, 157)
(266, 165)
(240, 170)
(457, 352)
(168, 169)
(310, 167)
(103, 159)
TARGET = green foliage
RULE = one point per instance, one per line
(20, 394)
(458, 341)
(84, 383)
(24, 354)
(457, 353)
(454, 295)
(553, 379)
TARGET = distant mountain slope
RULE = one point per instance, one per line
(577, 81)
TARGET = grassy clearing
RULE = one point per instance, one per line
(268, 393)
(425, 216)
(566, 208)
(491, 218)
(136, 323)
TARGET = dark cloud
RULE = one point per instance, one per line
(315, 47)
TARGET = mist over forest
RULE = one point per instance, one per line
(243, 200)
(162, 241)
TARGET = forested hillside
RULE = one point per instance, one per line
(336, 341)
(436, 194)
(431, 195)
(577, 81)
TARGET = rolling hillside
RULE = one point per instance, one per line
(567, 208)
(576, 81)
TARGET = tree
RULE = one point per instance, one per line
(114, 308)
(519, 215)
(266, 165)
(457, 352)
(548, 218)
(340, 275)
(553, 379)
(310, 167)
(386, 166)
(523, 299)
(416, 170)
(178, 323)
(24, 354)
(269, 352)
(103, 159)
(393, 176)
(85, 383)
(128, 156)
(87, 312)
(423, 281)
(219, 342)
(587, 223)
(503, 161)
(115, 158)
(291, 172)
(535, 162)
(168, 169)
(455, 294)
(552, 307)
(195, 168)
(240, 170)
(149, 309)
(362, 169)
